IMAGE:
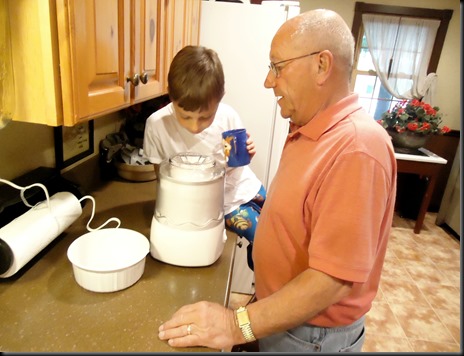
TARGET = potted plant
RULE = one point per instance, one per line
(411, 123)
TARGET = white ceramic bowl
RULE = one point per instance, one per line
(108, 260)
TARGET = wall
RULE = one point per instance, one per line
(25, 146)
(448, 90)
(449, 212)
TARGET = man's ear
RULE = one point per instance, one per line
(325, 65)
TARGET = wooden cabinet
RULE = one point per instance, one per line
(148, 51)
(35, 62)
(94, 55)
(182, 28)
(76, 60)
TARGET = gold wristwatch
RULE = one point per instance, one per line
(244, 324)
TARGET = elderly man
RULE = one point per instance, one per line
(323, 231)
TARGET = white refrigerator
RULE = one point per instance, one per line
(241, 34)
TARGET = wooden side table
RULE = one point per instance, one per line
(424, 163)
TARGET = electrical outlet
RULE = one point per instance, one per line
(75, 140)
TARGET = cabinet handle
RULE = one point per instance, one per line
(134, 80)
(144, 78)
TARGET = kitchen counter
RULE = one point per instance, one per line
(43, 309)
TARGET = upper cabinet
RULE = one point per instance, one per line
(94, 54)
(182, 28)
(147, 62)
(76, 60)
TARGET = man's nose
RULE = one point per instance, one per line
(269, 81)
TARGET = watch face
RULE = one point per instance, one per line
(242, 316)
(244, 324)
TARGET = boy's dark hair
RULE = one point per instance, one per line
(196, 78)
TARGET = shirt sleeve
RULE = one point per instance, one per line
(152, 147)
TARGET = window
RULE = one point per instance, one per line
(365, 81)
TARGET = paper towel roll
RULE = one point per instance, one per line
(27, 235)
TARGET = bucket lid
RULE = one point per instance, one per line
(195, 161)
(191, 167)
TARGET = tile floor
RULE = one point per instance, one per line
(417, 308)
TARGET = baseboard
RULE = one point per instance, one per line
(450, 231)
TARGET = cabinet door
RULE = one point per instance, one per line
(147, 63)
(192, 22)
(35, 62)
(174, 31)
(182, 27)
(94, 57)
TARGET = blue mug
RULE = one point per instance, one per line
(235, 149)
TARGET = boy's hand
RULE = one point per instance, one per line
(250, 146)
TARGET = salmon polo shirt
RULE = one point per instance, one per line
(329, 208)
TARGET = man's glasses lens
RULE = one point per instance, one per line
(274, 69)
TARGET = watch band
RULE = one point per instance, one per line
(244, 324)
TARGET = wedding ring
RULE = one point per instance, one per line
(189, 329)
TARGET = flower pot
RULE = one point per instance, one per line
(408, 139)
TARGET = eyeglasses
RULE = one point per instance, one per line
(276, 70)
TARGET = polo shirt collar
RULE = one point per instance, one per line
(328, 118)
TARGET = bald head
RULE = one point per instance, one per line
(311, 60)
(320, 29)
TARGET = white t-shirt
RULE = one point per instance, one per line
(164, 137)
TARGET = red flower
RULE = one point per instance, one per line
(415, 102)
(445, 129)
(425, 126)
(414, 115)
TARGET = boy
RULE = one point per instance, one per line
(194, 122)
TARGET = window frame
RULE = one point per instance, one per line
(357, 29)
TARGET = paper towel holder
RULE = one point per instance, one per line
(44, 222)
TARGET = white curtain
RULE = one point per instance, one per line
(400, 48)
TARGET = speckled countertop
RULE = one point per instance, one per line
(43, 309)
